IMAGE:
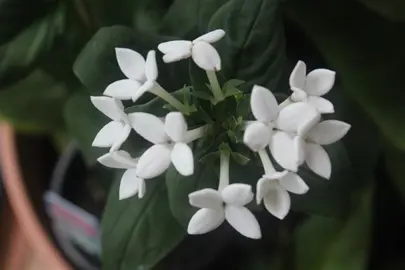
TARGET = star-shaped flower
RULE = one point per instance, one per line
(309, 88)
(170, 144)
(273, 190)
(115, 132)
(200, 49)
(273, 126)
(141, 75)
(130, 184)
(229, 205)
(309, 144)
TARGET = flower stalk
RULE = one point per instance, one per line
(195, 134)
(215, 87)
(266, 162)
(159, 91)
(224, 170)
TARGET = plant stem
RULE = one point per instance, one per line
(159, 91)
(224, 170)
(286, 102)
(267, 165)
(215, 87)
(195, 134)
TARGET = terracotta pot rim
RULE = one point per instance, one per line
(20, 204)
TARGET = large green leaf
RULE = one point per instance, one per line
(366, 51)
(253, 48)
(395, 160)
(137, 234)
(20, 54)
(329, 244)
(34, 103)
(390, 9)
(97, 67)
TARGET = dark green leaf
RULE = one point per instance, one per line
(395, 161)
(390, 9)
(253, 47)
(239, 158)
(138, 233)
(206, 9)
(202, 95)
(34, 103)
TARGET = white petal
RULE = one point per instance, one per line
(120, 160)
(108, 134)
(275, 175)
(283, 150)
(321, 104)
(242, 220)
(211, 37)
(262, 187)
(148, 85)
(174, 57)
(237, 194)
(151, 70)
(263, 104)
(111, 107)
(206, 198)
(329, 131)
(176, 46)
(293, 183)
(129, 185)
(299, 145)
(298, 75)
(277, 201)
(206, 57)
(148, 126)
(121, 138)
(131, 63)
(176, 126)
(122, 89)
(319, 82)
(257, 136)
(182, 159)
(299, 95)
(318, 160)
(154, 161)
(295, 117)
(205, 220)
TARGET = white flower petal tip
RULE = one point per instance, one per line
(151, 70)
(318, 160)
(206, 56)
(206, 198)
(108, 134)
(211, 37)
(182, 159)
(175, 126)
(293, 183)
(204, 221)
(298, 76)
(243, 221)
(321, 104)
(149, 127)
(319, 82)
(110, 107)
(257, 136)
(328, 131)
(131, 63)
(277, 201)
(263, 104)
(131, 185)
(122, 89)
(176, 46)
(154, 161)
(237, 194)
(283, 150)
(119, 160)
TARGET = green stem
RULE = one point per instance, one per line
(195, 134)
(286, 102)
(224, 170)
(159, 91)
(215, 87)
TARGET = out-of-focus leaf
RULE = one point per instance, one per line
(391, 9)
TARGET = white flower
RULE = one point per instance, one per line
(309, 144)
(273, 126)
(217, 206)
(141, 75)
(115, 132)
(130, 184)
(309, 88)
(200, 49)
(170, 144)
(272, 189)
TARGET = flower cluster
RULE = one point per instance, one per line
(293, 132)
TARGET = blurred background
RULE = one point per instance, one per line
(52, 192)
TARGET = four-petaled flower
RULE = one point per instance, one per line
(272, 189)
(200, 49)
(309, 88)
(130, 184)
(309, 144)
(170, 144)
(229, 204)
(141, 75)
(115, 132)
